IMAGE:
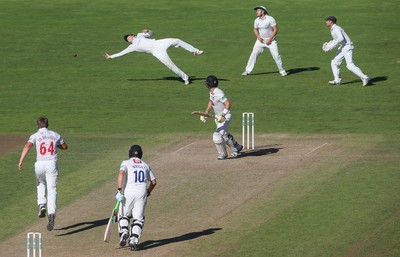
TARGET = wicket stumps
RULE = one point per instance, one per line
(246, 118)
(34, 241)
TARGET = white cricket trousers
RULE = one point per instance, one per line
(259, 49)
(346, 53)
(46, 179)
(133, 206)
(160, 52)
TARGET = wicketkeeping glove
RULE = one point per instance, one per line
(119, 196)
(203, 119)
(327, 46)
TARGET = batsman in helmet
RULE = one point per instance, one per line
(221, 105)
(135, 183)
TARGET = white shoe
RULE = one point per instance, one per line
(50, 225)
(198, 52)
(187, 82)
(365, 81)
(42, 211)
(245, 73)
(124, 237)
(283, 73)
(133, 245)
(334, 83)
(220, 157)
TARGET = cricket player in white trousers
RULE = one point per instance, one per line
(158, 48)
(46, 167)
(221, 105)
(134, 175)
(265, 29)
(345, 51)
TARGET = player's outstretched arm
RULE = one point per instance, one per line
(25, 151)
(106, 56)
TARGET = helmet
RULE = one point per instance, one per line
(211, 81)
(135, 151)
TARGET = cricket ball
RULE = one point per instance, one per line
(75, 54)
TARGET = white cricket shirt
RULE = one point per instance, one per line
(137, 174)
(340, 36)
(46, 142)
(218, 99)
(265, 26)
(141, 43)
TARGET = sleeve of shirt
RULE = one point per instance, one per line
(255, 24)
(337, 36)
(123, 166)
(272, 21)
(148, 34)
(129, 49)
(151, 175)
(32, 139)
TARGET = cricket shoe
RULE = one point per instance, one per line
(42, 211)
(365, 81)
(283, 73)
(334, 83)
(221, 157)
(133, 245)
(237, 152)
(186, 79)
(124, 237)
(198, 52)
(245, 73)
(50, 225)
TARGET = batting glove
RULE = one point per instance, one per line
(119, 196)
(203, 119)
(221, 118)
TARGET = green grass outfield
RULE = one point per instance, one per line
(102, 106)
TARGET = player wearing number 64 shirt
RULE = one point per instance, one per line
(46, 167)
(134, 175)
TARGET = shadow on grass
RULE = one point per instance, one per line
(189, 236)
(87, 225)
(194, 78)
(264, 150)
(290, 71)
(371, 82)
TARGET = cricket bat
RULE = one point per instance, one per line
(111, 221)
(207, 115)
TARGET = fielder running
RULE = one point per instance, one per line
(132, 191)
(158, 48)
(223, 116)
(345, 51)
(46, 167)
(265, 29)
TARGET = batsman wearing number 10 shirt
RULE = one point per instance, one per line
(132, 192)
(46, 167)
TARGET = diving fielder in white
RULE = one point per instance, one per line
(133, 178)
(158, 48)
(46, 167)
(345, 51)
(221, 105)
(265, 29)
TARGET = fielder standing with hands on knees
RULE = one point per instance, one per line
(46, 167)
(345, 51)
(221, 105)
(133, 177)
(265, 28)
